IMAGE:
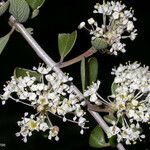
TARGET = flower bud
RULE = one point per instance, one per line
(40, 108)
(99, 43)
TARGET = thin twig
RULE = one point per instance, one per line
(18, 101)
(49, 120)
(88, 53)
(42, 54)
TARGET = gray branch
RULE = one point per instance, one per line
(42, 54)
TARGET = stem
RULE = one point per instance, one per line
(69, 120)
(97, 108)
(104, 18)
(12, 30)
(18, 101)
(42, 54)
(88, 53)
(104, 22)
(102, 99)
(49, 121)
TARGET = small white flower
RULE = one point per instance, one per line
(82, 131)
(32, 96)
(81, 121)
(131, 113)
(93, 98)
(82, 25)
(57, 138)
(92, 90)
(134, 102)
(43, 126)
(79, 113)
(3, 102)
(91, 21)
(133, 35)
(23, 95)
(54, 130)
(6, 95)
(130, 26)
(64, 119)
(42, 70)
(115, 15)
(113, 130)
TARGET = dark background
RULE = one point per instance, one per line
(63, 16)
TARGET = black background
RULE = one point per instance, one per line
(62, 16)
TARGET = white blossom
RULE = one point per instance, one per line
(91, 21)
(82, 25)
(118, 24)
(52, 94)
(130, 26)
(131, 101)
(91, 91)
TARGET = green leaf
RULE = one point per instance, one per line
(35, 13)
(93, 69)
(97, 139)
(114, 86)
(83, 73)
(30, 30)
(35, 4)
(21, 72)
(109, 118)
(4, 7)
(113, 141)
(19, 9)
(3, 42)
(66, 43)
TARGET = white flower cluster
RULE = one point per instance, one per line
(117, 25)
(131, 102)
(91, 91)
(52, 94)
(39, 123)
(128, 133)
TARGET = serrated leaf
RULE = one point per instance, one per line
(4, 7)
(113, 141)
(109, 118)
(97, 138)
(3, 42)
(21, 72)
(114, 86)
(20, 10)
(66, 43)
(93, 69)
(35, 4)
(83, 73)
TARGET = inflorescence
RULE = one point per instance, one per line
(129, 104)
(118, 24)
(131, 101)
(52, 94)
